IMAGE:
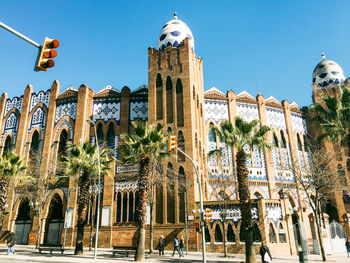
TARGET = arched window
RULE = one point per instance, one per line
(125, 207)
(111, 136)
(62, 146)
(283, 140)
(131, 206)
(8, 143)
(275, 140)
(272, 234)
(100, 133)
(179, 104)
(159, 97)
(299, 143)
(207, 235)
(256, 233)
(230, 234)
(181, 145)
(169, 100)
(169, 131)
(34, 148)
(211, 134)
(218, 234)
(305, 144)
(170, 194)
(181, 193)
(281, 234)
(159, 203)
(119, 207)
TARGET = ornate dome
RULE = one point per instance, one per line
(327, 72)
(173, 33)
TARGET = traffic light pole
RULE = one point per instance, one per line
(11, 30)
(201, 204)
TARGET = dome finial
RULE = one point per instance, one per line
(175, 15)
(323, 56)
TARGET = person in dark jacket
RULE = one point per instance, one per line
(181, 246)
(347, 245)
(161, 245)
(11, 243)
(265, 253)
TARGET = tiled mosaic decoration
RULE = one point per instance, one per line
(299, 124)
(274, 213)
(275, 118)
(138, 109)
(15, 102)
(215, 110)
(66, 109)
(248, 112)
(106, 110)
(38, 120)
(41, 96)
(11, 125)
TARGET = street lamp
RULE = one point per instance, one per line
(99, 188)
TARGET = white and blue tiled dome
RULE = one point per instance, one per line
(173, 33)
(327, 72)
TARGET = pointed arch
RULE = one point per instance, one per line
(283, 140)
(119, 207)
(54, 221)
(272, 234)
(23, 223)
(181, 193)
(281, 234)
(159, 97)
(230, 234)
(275, 140)
(170, 194)
(34, 148)
(179, 103)
(111, 136)
(125, 207)
(100, 133)
(211, 133)
(181, 145)
(8, 144)
(62, 144)
(299, 143)
(169, 100)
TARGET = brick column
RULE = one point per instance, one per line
(23, 122)
(125, 110)
(3, 99)
(346, 219)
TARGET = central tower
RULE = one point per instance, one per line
(175, 99)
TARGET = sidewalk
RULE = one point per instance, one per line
(30, 254)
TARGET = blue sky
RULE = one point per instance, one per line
(270, 47)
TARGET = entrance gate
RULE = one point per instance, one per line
(338, 237)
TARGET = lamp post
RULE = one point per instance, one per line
(99, 189)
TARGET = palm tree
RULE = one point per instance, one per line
(238, 136)
(142, 145)
(82, 164)
(11, 165)
(332, 114)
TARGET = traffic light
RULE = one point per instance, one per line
(46, 53)
(197, 227)
(172, 143)
(208, 215)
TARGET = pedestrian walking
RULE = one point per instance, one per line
(161, 245)
(176, 246)
(181, 247)
(347, 245)
(11, 243)
(265, 253)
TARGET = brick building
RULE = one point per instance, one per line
(45, 121)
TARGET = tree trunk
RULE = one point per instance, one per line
(323, 254)
(37, 243)
(151, 226)
(143, 184)
(224, 233)
(3, 196)
(244, 201)
(83, 201)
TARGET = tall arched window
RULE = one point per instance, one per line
(100, 133)
(169, 100)
(170, 194)
(275, 140)
(131, 206)
(111, 136)
(179, 104)
(281, 234)
(181, 193)
(218, 234)
(159, 203)
(119, 207)
(305, 144)
(299, 143)
(230, 234)
(211, 134)
(181, 145)
(283, 140)
(272, 234)
(62, 146)
(159, 97)
(7, 146)
(125, 207)
(34, 148)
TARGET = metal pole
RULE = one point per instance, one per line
(186, 219)
(11, 30)
(201, 204)
(99, 190)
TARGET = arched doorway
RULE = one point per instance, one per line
(23, 223)
(54, 221)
